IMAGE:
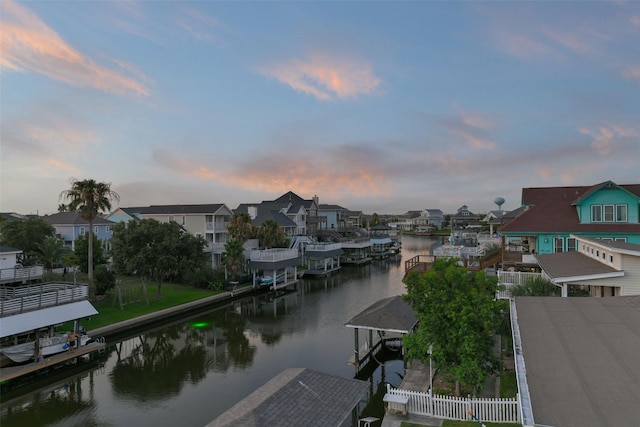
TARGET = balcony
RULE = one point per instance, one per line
(24, 298)
(22, 274)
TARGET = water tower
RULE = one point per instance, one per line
(499, 201)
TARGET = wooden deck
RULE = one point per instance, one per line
(12, 372)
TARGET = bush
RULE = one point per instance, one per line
(104, 279)
(536, 287)
(202, 277)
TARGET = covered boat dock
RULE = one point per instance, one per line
(388, 316)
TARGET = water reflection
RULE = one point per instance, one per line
(190, 371)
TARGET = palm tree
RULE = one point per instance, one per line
(51, 250)
(270, 234)
(233, 257)
(62, 207)
(240, 227)
(88, 198)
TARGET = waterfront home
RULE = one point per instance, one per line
(70, 226)
(335, 216)
(208, 221)
(12, 271)
(601, 267)
(551, 215)
(464, 218)
(433, 218)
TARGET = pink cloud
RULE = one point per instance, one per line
(632, 73)
(326, 77)
(28, 44)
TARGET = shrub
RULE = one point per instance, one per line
(104, 279)
(536, 287)
(201, 277)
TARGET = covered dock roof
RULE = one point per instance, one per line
(391, 314)
(297, 396)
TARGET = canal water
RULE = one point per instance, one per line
(188, 372)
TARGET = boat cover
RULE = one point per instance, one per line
(32, 320)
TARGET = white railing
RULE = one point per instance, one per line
(516, 277)
(273, 255)
(320, 247)
(459, 251)
(19, 299)
(8, 275)
(496, 410)
(506, 292)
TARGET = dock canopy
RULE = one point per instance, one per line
(297, 397)
(391, 314)
(32, 320)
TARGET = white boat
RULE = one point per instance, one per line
(50, 345)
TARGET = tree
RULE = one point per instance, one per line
(158, 250)
(458, 313)
(82, 252)
(240, 227)
(26, 235)
(51, 251)
(271, 235)
(89, 198)
(233, 257)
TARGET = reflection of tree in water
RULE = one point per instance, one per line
(240, 352)
(163, 361)
(156, 369)
(56, 406)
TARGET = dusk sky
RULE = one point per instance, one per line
(376, 106)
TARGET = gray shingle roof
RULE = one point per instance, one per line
(571, 264)
(73, 218)
(296, 397)
(389, 314)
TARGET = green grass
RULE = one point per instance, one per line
(172, 295)
(508, 384)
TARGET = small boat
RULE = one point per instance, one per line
(268, 280)
(54, 344)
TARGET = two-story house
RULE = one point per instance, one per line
(208, 221)
(463, 218)
(428, 219)
(551, 215)
(70, 225)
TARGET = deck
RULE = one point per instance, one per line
(13, 372)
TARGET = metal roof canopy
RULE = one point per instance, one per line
(391, 314)
(296, 397)
(32, 320)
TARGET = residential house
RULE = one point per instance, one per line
(464, 218)
(429, 218)
(335, 216)
(124, 215)
(304, 213)
(70, 226)
(603, 267)
(551, 218)
(208, 221)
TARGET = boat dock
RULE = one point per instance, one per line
(12, 372)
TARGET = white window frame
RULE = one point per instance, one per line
(596, 213)
(621, 213)
(81, 231)
(608, 213)
(172, 218)
(555, 244)
(96, 228)
(572, 244)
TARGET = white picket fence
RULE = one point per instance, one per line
(497, 410)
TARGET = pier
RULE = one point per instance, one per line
(12, 372)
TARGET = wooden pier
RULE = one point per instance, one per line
(12, 372)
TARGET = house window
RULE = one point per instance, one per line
(95, 230)
(621, 239)
(571, 244)
(558, 244)
(608, 213)
(621, 213)
(596, 213)
(184, 221)
(611, 259)
(172, 218)
(107, 228)
(82, 231)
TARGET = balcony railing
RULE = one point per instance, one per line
(274, 255)
(19, 299)
(22, 274)
(319, 247)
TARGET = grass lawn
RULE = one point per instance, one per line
(172, 294)
(508, 384)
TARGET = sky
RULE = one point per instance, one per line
(379, 106)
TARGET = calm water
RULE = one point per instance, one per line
(190, 371)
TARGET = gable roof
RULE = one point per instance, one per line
(552, 209)
(281, 219)
(296, 397)
(73, 218)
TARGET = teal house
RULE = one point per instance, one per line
(551, 219)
